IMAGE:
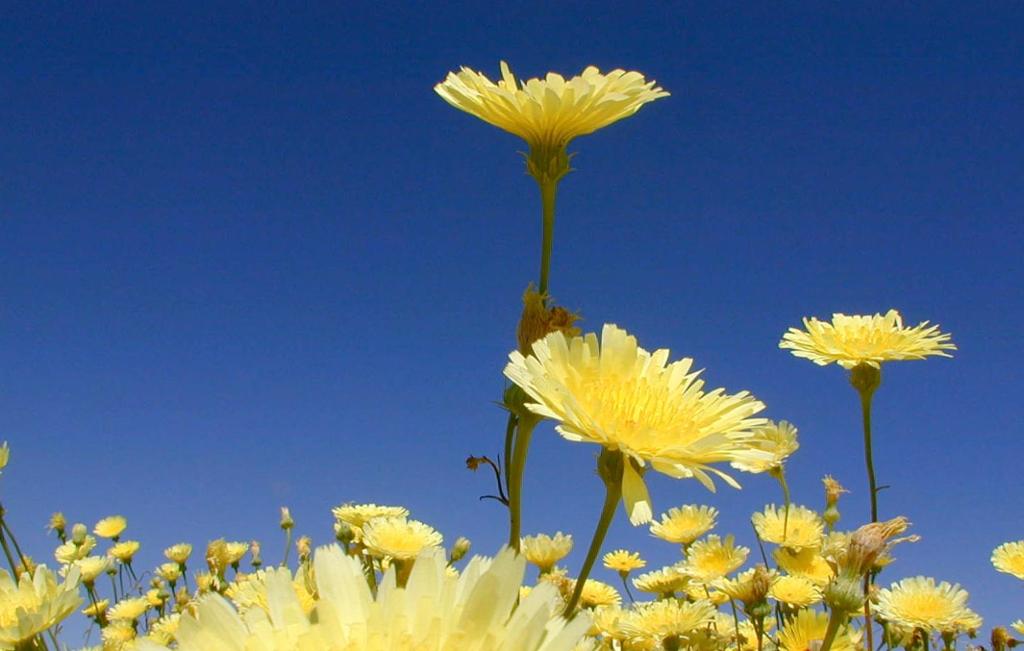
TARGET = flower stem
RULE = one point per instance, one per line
(865, 379)
(548, 189)
(517, 466)
(610, 466)
(835, 620)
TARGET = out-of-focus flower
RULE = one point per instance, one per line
(713, 558)
(69, 552)
(803, 528)
(5, 455)
(807, 563)
(807, 630)
(1009, 558)
(852, 340)
(178, 553)
(545, 551)
(597, 593)
(795, 591)
(685, 524)
(235, 551)
(286, 518)
(777, 440)
(654, 622)
(124, 551)
(919, 602)
(128, 610)
(91, 567)
(34, 603)
(661, 582)
(625, 398)
(111, 527)
(399, 537)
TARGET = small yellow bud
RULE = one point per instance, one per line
(254, 551)
(459, 549)
(5, 455)
(58, 524)
(343, 532)
(286, 518)
(304, 547)
(78, 533)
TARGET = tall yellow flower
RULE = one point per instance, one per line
(852, 340)
(778, 440)
(34, 603)
(919, 602)
(1009, 558)
(625, 398)
(685, 524)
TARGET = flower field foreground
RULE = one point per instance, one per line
(388, 582)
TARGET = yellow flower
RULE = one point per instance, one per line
(795, 591)
(162, 630)
(778, 440)
(657, 620)
(807, 631)
(128, 610)
(34, 603)
(803, 530)
(252, 592)
(1018, 626)
(357, 515)
(685, 524)
(235, 551)
(623, 561)
(5, 455)
(749, 586)
(178, 553)
(598, 593)
(544, 551)
(117, 635)
(853, 340)
(169, 572)
(807, 563)
(1009, 558)
(124, 551)
(625, 398)
(474, 612)
(111, 527)
(91, 567)
(664, 581)
(96, 609)
(69, 552)
(399, 537)
(714, 557)
(549, 112)
(919, 603)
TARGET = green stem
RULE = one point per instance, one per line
(610, 468)
(736, 622)
(625, 584)
(780, 475)
(865, 409)
(517, 468)
(510, 435)
(835, 620)
(14, 541)
(7, 553)
(287, 546)
(869, 632)
(548, 189)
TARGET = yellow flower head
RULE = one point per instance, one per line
(1018, 626)
(807, 631)
(713, 558)
(853, 340)
(96, 609)
(657, 620)
(1009, 558)
(5, 455)
(544, 551)
(34, 603)
(597, 593)
(91, 567)
(235, 551)
(117, 635)
(356, 515)
(162, 630)
(178, 553)
(128, 610)
(623, 561)
(795, 591)
(169, 572)
(625, 398)
(549, 112)
(803, 528)
(807, 563)
(749, 587)
(124, 551)
(399, 537)
(685, 524)
(921, 603)
(664, 581)
(111, 527)
(777, 440)
(69, 552)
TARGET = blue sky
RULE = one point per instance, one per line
(248, 258)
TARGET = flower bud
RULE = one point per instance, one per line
(459, 549)
(78, 533)
(58, 524)
(254, 552)
(286, 519)
(304, 547)
(343, 532)
(844, 593)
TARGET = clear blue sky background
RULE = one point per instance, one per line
(248, 258)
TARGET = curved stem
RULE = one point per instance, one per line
(865, 409)
(517, 466)
(548, 189)
(610, 469)
(625, 584)
(835, 620)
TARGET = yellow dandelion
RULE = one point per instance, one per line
(697, 590)
(749, 586)
(354, 516)
(607, 621)
(545, 551)
(1009, 558)
(777, 440)
(803, 529)
(111, 527)
(162, 630)
(128, 609)
(399, 537)
(34, 603)
(96, 610)
(548, 113)
(124, 551)
(625, 398)
(597, 593)
(178, 553)
(685, 524)
(795, 591)
(169, 572)
(70, 552)
(919, 602)
(852, 340)
(660, 620)
(623, 561)
(807, 631)
(662, 582)
(235, 551)
(713, 558)
(91, 567)
(117, 635)
(807, 563)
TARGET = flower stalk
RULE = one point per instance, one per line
(866, 379)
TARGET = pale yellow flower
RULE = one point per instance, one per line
(853, 340)
(251, 591)
(124, 551)
(685, 524)
(545, 551)
(178, 553)
(1009, 558)
(399, 537)
(5, 455)
(625, 398)
(664, 581)
(697, 590)
(749, 586)
(802, 530)
(623, 561)
(96, 609)
(117, 635)
(475, 612)
(714, 557)
(69, 552)
(807, 563)
(34, 603)
(549, 112)
(169, 572)
(777, 440)
(795, 591)
(354, 516)
(807, 630)
(162, 630)
(235, 551)
(919, 602)
(598, 593)
(128, 609)
(655, 621)
(91, 567)
(111, 527)
(1018, 626)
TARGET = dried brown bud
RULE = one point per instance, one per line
(538, 320)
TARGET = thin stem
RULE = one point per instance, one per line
(7, 553)
(780, 475)
(610, 468)
(625, 584)
(835, 620)
(287, 546)
(736, 621)
(14, 541)
(869, 637)
(548, 190)
(510, 435)
(517, 467)
(865, 410)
